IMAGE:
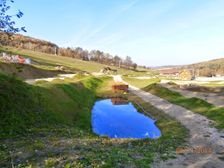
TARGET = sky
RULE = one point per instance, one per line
(152, 32)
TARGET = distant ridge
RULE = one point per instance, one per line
(209, 68)
(213, 67)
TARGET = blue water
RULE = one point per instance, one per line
(122, 121)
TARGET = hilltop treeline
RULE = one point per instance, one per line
(25, 42)
(209, 68)
(97, 56)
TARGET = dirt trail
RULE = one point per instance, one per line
(200, 130)
(60, 76)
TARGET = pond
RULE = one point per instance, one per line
(120, 119)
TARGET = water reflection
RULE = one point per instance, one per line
(119, 101)
(117, 118)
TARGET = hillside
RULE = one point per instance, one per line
(209, 68)
(26, 42)
(25, 107)
(29, 43)
(28, 71)
(51, 61)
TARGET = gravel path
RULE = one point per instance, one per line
(201, 135)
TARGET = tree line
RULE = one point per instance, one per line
(209, 68)
(25, 42)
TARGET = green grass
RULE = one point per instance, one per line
(140, 83)
(194, 104)
(25, 106)
(49, 60)
(49, 124)
(213, 84)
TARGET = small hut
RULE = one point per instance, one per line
(120, 87)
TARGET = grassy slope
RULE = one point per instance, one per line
(47, 104)
(28, 71)
(77, 64)
(140, 83)
(194, 104)
(210, 64)
(55, 121)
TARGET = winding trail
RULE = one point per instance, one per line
(200, 130)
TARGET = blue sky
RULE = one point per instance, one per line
(152, 32)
